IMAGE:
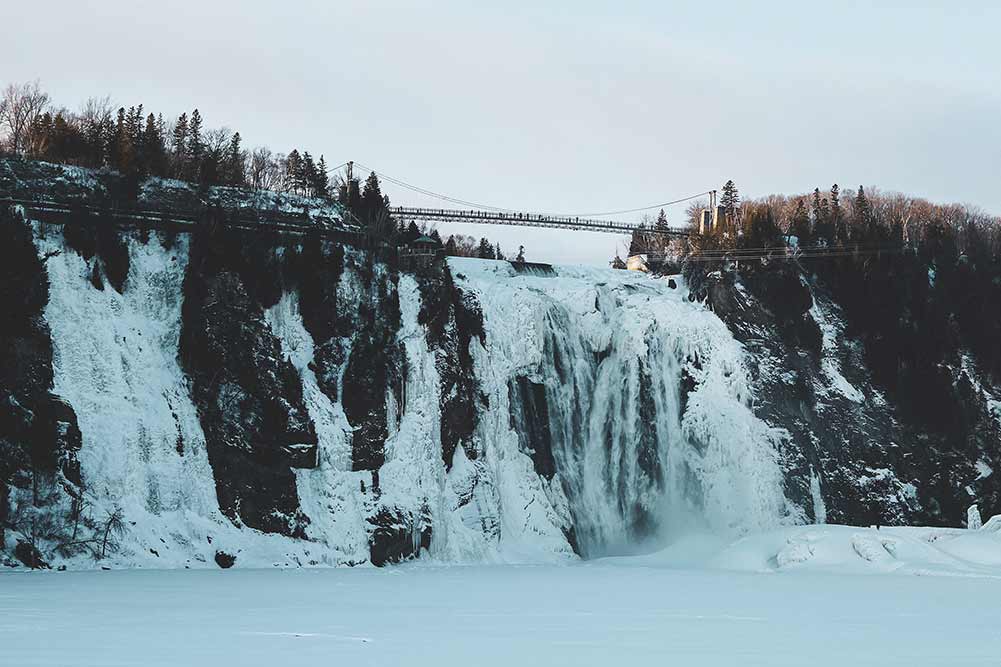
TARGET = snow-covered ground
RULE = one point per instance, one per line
(697, 603)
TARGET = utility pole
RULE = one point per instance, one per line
(714, 209)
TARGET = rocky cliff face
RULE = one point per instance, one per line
(222, 396)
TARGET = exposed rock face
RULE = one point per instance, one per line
(39, 436)
(249, 397)
(287, 400)
(855, 453)
(453, 320)
(397, 537)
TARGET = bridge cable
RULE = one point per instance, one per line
(499, 209)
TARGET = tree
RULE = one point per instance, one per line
(195, 147)
(308, 175)
(800, 225)
(236, 162)
(486, 250)
(450, 248)
(154, 151)
(321, 184)
(641, 241)
(179, 147)
(293, 171)
(372, 200)
(521, 254)
(20, 107)
(730, 201)
(660, 239)
(838, 225)
(497, 252)
(822, 228)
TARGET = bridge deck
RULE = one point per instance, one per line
(526, 220)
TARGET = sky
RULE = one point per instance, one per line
(559, 107)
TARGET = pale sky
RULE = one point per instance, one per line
(567, 107)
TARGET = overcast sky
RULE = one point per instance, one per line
(566, 108)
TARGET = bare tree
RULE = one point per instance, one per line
(20, 106)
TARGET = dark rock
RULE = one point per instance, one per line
(453, 319)
(249, 396)
(530, 420)
(224, 560)
(114, 254)
(29, 556)
(397, 536)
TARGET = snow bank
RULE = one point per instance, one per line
(841, 550)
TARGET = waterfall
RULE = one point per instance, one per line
(633, 400)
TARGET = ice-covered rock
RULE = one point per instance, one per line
(973, 520)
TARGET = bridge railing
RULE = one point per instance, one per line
(527, 220)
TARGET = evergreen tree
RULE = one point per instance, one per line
(179, 147)
(838, 224)
(372, 201)
(236, 169)
(640, 241)
(800, 225)
(293, 171)
(822, 230)
(308, 175)
(195, 147)
(730, 201)
(450, 248)
(321, 184)
(486, 250)
(497, 252)
(120, 142)
(154, 151)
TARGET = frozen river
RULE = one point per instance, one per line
(613, 612)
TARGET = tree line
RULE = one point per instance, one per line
(141, 144)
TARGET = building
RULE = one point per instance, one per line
(421, 252)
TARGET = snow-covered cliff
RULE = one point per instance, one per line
(193, 399)
(608, 409)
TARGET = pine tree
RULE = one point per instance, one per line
(293, 171)
(800, 225)
(822, 230)
(321, 185)
(153, 149)
(486, 250)
(730, 201)
(372, 201)
(119, 142)
(838, 224)
(661, 223)
(497, 252)
(450, 248)
(195, 148)
(179, 147)
(236, 170)
(308, 176)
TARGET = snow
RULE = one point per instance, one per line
(840, 596)
(718, 460)
(973, 520)
(143, 450)
(714, 464)
(832, 330)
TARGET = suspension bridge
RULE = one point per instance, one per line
(493, 215)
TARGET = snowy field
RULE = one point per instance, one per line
(802, 596)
